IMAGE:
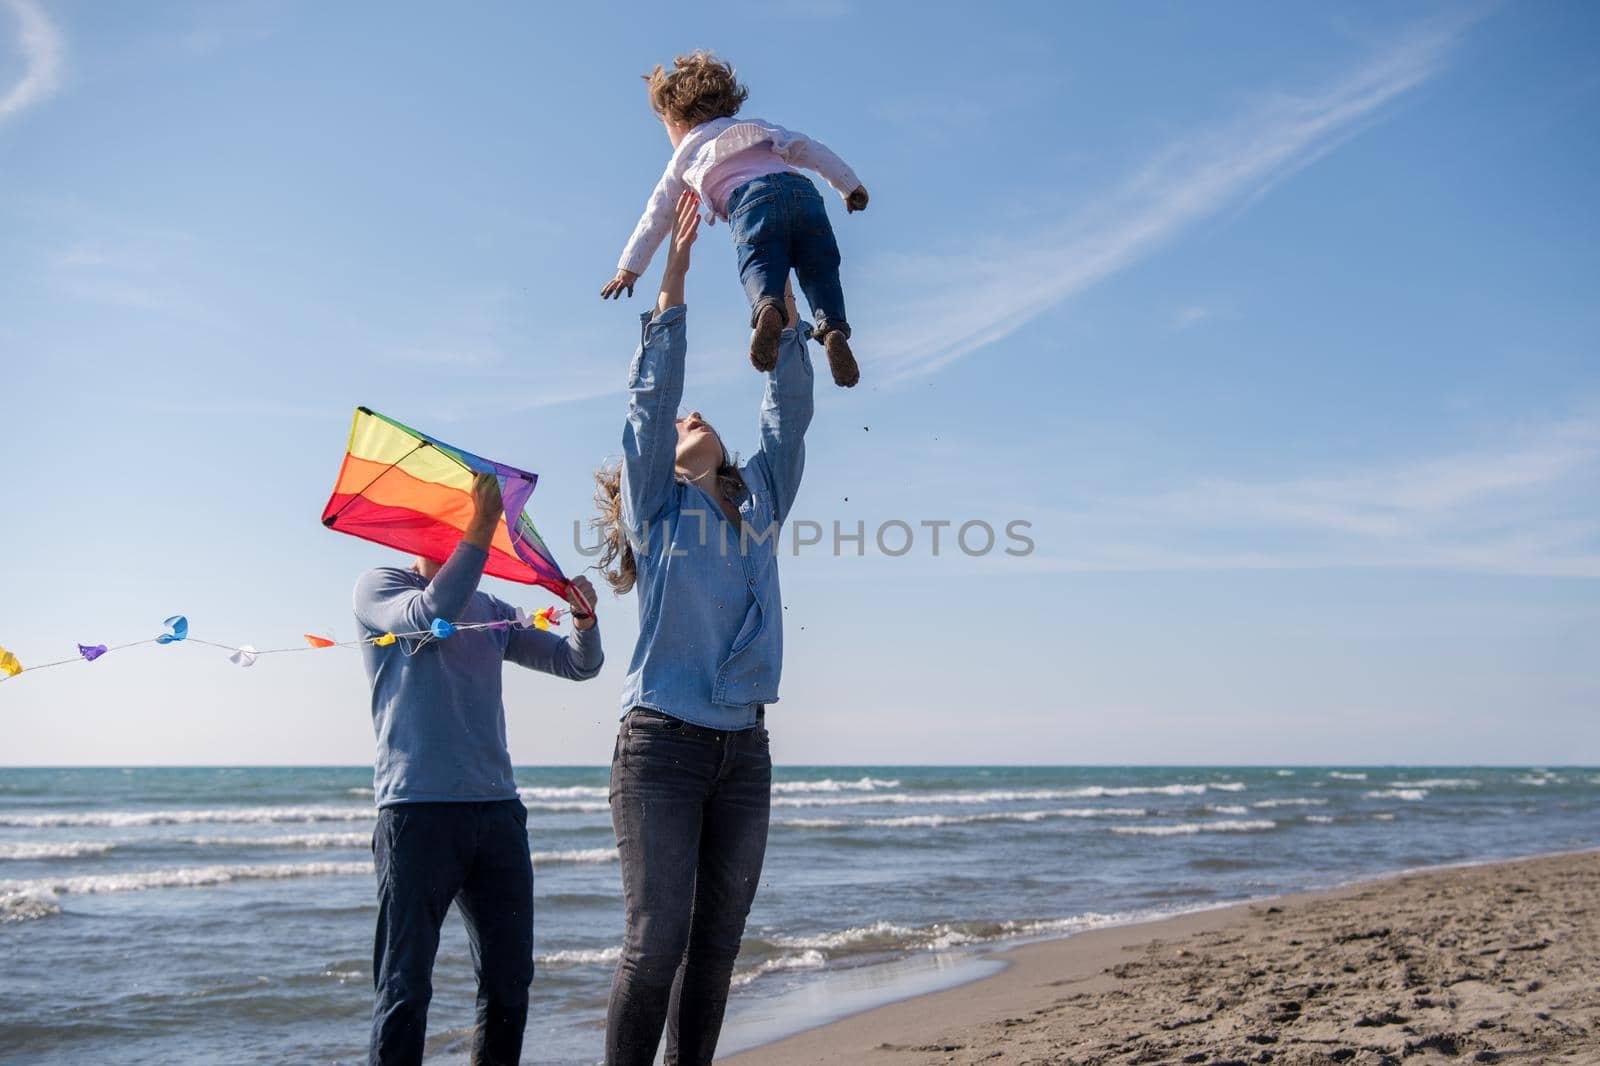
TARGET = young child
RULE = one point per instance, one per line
(744, 171)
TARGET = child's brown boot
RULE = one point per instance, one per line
(841, 360)
(764, 341)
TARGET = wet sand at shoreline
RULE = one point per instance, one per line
(1491, 963)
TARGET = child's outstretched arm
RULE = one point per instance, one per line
(812, 154)
(653, 227)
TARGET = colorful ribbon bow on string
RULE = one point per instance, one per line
(177, 629)
(8, 664)
(91, 652)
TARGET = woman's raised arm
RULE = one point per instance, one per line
(786, 408)
(655, 386)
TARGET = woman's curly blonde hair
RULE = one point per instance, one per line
(699, 88)
(617, 564)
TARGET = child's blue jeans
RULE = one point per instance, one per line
(779, 223)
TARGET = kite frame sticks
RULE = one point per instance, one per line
(422, 511)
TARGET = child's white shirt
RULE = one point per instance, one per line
(700, 152)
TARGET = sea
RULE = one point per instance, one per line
(225, 915)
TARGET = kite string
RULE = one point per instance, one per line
(419, 638)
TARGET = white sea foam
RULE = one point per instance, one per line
(1410, 795)
(25, 906)
(1342, 776)
(220, 816)
(179, 877)
(846, 937)
(1228, 786)
(567, 793)
(993, 796)
(1320, 819)
(1292, 801)
(1439, 782)
(1228, 808)
(362, 791)
(1285, 773)
(1189, 828)
(1383, 816)
(805, 960)
(934, 821)
(292, 840)
(578, 957)
(573, 807)
(70, 849)
(863, 784)
(577, 855)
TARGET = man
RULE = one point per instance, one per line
(450, 824)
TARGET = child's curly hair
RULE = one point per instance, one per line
(700, 87)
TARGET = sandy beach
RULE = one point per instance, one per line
(1492, 963)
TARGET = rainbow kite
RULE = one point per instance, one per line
(410, 491)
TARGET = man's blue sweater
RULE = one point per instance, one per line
(436, 704)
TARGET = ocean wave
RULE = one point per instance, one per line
(884, 936)
(176, 877)
(1293, 801)
(1228, 786)
(220, 816)
(1410, 795)
(1342, 776)
(1285, 773)
(572, 807)
(577, 855)
(579, 957)
(1383, 816)
(27, 906)
(294, 840)
(566, 793)
(1439, 782)
(1320, 819)
(935, 821)
(805, 960)
(863, 784)
(361, 791)
(1189, 828)
(66, 850)
(996, 795)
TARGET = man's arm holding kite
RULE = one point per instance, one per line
(576, 658)
(387, 603)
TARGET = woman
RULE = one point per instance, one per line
(691, 776)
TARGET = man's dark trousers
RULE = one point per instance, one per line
(427, 855)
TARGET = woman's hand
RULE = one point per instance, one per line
(790, 307)
(685, 228)
(615, 287)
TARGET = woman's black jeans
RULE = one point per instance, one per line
(690, 807)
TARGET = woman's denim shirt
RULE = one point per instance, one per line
(710, 647)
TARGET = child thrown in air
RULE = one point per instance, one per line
(744, 171)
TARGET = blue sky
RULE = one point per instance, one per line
(1277, 322)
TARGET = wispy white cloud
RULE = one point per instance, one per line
(981, 295)
(1527, 506)
(42, 50)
